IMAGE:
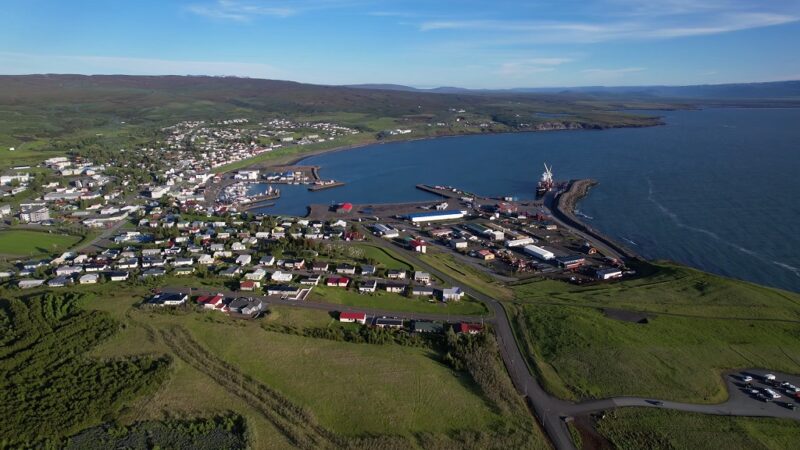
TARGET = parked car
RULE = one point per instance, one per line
(771, 393)
(790, 405)
(747, 379)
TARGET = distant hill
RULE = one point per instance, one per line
(733, 91)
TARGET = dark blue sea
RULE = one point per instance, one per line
(716, 189)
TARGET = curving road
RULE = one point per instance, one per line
(551, 412)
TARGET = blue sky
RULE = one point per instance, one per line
(477, 44)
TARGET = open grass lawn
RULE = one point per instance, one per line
(352, 389)
(699, 325)
(384, 257)
(32, 243)
(395, 302)
(655, 429)
(471, 277)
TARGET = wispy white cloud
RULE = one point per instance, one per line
(530, 66)
(247, 10)
(642, 28)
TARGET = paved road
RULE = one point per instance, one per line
(551, 412)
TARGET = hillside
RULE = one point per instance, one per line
(46, 115)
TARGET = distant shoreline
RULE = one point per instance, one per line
(290, 160)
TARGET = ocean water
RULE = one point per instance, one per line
(716, 189)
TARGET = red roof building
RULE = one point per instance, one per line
(418, 245)
(337, 281)
(470, 328)
(344, 207)
(358, 317)
(211, 301)
(249, 285)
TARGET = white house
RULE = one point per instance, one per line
(281, 276)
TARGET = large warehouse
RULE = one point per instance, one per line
(539, 252)
(432, 216)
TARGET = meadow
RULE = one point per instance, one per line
(480, 281)
(655, 429)
(19, 242)
(337, 393)
(697, 327)
(395, 302)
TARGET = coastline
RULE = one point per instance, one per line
(297, 158)
(563, 207)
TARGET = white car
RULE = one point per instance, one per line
(747, 378)
(772, 393)
(769, 377)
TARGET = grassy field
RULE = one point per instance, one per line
(384, 257)
(640, 428)
(351, 389)
(480, 281)
(31, 243)
(699, 325)
(395, 302)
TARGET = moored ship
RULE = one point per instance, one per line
(546, 183)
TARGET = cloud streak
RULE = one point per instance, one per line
(248, 10)
(585, 32)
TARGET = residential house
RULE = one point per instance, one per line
(368, 286)
(395, 288)
(312, 280)
(281, 276)
(422, 277)
(249, 285)
(182, 271)
(337, 282)
(244, 260)
(59, 281)
(469, 328)
(212, 301)
(118, 276)
(389, 322)
(89, 278)
(346, 269)
(453, 293)
(28, 284)
(353, 317)
(425, 326)
(396, 274)
(319, 266)
(256, 275)
(169, 299)
(422, 291)
(285, 291)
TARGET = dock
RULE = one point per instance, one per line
(440, 191)
(319, 187)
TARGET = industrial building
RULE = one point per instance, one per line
(433, 216)
(539, 252)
